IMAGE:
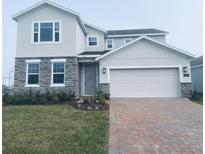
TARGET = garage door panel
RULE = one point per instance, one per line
(143, 86)
(144, 83)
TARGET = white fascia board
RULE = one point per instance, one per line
(201, 65)
(134, 35)
(82, 24)
(152, 40)
(88, 56)
(96, 27)
(33, 61)
(58, 60)
(114, 50)
(171, 47)
(41, 3)
(14, 17)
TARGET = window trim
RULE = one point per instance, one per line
(107, 44)
(96, 41)
(46, 42)
(32, 61)
(127, 39)
(57, 61)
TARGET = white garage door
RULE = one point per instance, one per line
(144, 83)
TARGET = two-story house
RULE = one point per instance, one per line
(57, 50)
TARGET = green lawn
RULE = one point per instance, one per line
(52, 129)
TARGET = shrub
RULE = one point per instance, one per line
(62, 96)
(55, 99)
(197, 97)
(47, 96)
(71, 95)
(102, 94)
(102, 100)
(37, 98)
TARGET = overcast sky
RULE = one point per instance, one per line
(181, 18)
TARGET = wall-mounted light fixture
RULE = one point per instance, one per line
(185, 70)
(104, 70)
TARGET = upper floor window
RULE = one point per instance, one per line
(127, 40)
(46, 32)
(110, 44)
(92, 41)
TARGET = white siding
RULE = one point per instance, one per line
(144, 53)
(45, 13)
(101, 42)
(80, 39)
(120, 41)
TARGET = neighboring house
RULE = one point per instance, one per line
(197, 74)
(56, 50)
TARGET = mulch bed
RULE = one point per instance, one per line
(94, 107)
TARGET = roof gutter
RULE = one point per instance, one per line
(133, 35)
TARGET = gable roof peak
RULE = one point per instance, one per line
(76, 14)
(95, 27)
(190, 55)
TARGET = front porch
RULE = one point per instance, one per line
(89, 74)
(89, 78)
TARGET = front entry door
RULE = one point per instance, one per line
(89, 79)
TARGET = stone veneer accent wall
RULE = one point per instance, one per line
(104, 87)
(186, 90)
(71, 75)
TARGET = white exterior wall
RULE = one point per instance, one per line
(101, 42)
(120, 41)
(80, 39)
(67, 47)
(143, 54)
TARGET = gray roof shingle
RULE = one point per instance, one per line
(134, 31)
(94, 52)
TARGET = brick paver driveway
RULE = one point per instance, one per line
(155, 126)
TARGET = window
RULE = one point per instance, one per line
(58, 71)
(127, 40)
(35, 32)
(46, 32)
(92, 41)
(32, 74)
(57, 31)
(110, 44)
